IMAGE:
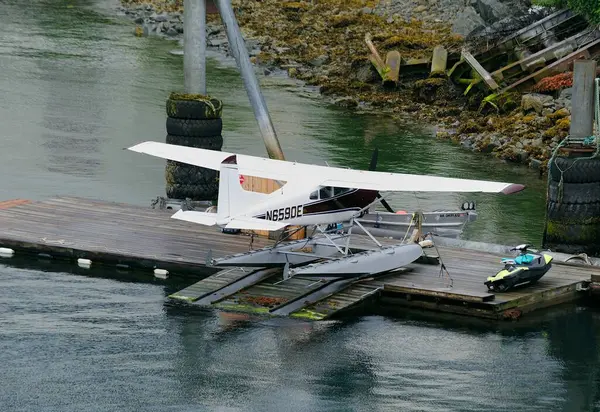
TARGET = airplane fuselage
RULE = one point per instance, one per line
(325, 206)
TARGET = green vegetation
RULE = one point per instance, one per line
(588, 8)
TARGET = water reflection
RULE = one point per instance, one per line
(277, 364)
(120, 338)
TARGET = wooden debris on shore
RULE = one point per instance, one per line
(439, 60)
(392, 62)
(544, 48)
(375, 58)
(389, 71)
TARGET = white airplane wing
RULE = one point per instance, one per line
(210, 159)
(314, 175)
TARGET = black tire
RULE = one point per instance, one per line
(194, 192)
(575, 170)
(572, 233)
(184, 174)
(194, 109)
(584, 213)
(191, 128)
(592, 249)
(207, 142)
(574, 192)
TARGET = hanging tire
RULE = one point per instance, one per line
(575, 170)
(181, 173)
(191, 128)
(194, 109)
(207, 142)
(574, 192)
(193, 192)
(591, 249)
(573, 213)
(573, 234)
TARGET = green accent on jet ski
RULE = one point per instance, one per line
(504, 273)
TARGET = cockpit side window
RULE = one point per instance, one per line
(325, 192)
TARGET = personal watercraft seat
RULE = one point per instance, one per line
(519, 260)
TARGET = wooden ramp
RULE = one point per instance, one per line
(340, 301)
(271, 294)
(212, 284)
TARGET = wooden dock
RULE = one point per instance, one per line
(121, 235)
(115, 234)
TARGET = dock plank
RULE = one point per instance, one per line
(468, 270)
(114, 232)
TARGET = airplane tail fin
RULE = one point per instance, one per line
(233, 199)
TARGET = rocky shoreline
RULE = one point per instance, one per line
(325, 48)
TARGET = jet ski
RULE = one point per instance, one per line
(526, 268)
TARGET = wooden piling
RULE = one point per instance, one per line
(439, 60)
(582, 115)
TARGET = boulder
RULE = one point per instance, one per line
(535, 164)
(492, 10)
(466, 21)
(346, 102)
(536, 102)
(161, 17)
(566, 93)
(319, 61)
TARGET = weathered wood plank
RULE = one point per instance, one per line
(447, 293)
(487, 78)
(113, 232)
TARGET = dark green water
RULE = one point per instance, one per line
(77, 88)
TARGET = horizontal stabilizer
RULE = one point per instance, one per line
(207, 219)
(250, 223)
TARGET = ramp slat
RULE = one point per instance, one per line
(211, 284)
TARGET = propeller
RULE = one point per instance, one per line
(372, 167)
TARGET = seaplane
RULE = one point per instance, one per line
(309, 195)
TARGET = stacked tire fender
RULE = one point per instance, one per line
(573, 206)
(194, 121)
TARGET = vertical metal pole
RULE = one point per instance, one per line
(582, 113)
(194, 46)
(240, 53)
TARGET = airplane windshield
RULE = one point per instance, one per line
(329, 192)
(340, 190)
